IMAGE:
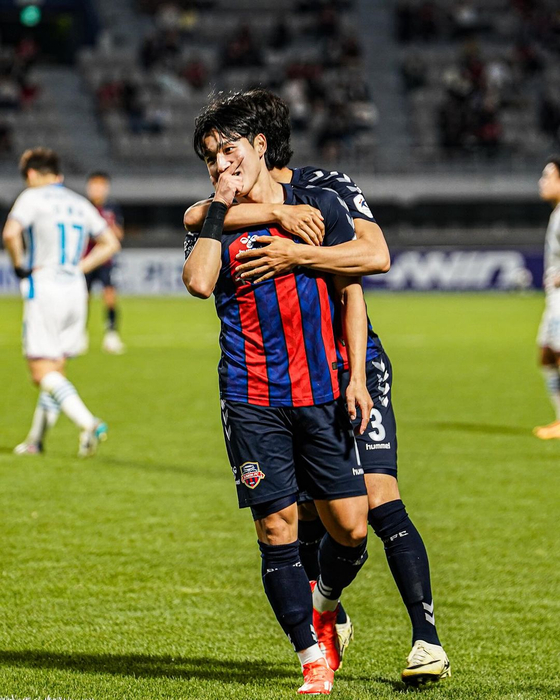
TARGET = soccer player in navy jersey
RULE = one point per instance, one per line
(285, 425)
(98, 188)
(367, 254)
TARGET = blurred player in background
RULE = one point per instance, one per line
(98, 190)
(549, 331)
(368, 254)
(56, 224)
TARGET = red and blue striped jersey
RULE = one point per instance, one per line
(277, 339)
(353, 198)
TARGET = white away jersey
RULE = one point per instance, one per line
(552, 253)
(57, 223)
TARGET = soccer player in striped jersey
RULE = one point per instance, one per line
(284, 422)
(55, 223)
(368, 254)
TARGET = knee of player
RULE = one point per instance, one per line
(354, 536)
(37, 375)
(275, 530)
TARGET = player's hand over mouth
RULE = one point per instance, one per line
(276, 257)
(357, 397)
(229, 184)
(302, 221)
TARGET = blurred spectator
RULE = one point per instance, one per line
(9, 93)
(488, 129)
(334, 131)
(414, 72)
(196, 74)
(528, 58)
(5, 138)
(168, 17)
(549, 115)
(242, 51)
(466, 19)
(280, 35)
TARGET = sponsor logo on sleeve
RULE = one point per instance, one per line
(362, 206)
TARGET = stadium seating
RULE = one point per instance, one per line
(476, 76)
(148, 95)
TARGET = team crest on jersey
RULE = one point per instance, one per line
(251, 474)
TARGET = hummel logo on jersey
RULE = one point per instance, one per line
(249, 241)
(378, 446)
(357, 472)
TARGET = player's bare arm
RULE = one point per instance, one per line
(118, 230)
(202, 267)
(107, 245)
(13, 242)
(367, 255)
(301, 220)
(354, 319)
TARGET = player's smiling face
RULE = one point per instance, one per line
(221, 152)
(549, 183)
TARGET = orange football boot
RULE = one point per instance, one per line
(327, 637)
(317, 678)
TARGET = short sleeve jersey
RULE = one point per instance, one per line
(277, 338)
(342, 184)
(352, 197)
(57, 223)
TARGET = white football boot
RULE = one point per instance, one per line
(113, 344)
(427, 663)
(90, 439)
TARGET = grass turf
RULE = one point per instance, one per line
(133, 575)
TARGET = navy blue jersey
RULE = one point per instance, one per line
(342, 184)
(353, 199)
(277, 338)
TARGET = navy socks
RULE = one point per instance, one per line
(339, 566)
(287, 588)
(408, 561)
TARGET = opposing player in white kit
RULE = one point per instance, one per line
(55, 224)
(549, 331)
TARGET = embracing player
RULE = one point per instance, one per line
(55, 223)
(285, 425)
(549, 331)
(368, 254)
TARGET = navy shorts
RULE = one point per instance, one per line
(276, 452)
(102, 275)
(377, 447)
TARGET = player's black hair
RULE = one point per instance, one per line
(555, 160)
(43, 160)
(99, 173)
(232, 116)
(274, 115)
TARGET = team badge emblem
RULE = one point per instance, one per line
(251, 475)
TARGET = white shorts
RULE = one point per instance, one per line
(54, 314)
(549, 330)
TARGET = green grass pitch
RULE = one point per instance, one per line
(134, 576)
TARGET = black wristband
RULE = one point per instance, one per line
(213, 226)
(22, 272)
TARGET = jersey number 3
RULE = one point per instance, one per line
(376, 422)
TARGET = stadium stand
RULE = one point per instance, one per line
(149, 94)
(481, 80)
